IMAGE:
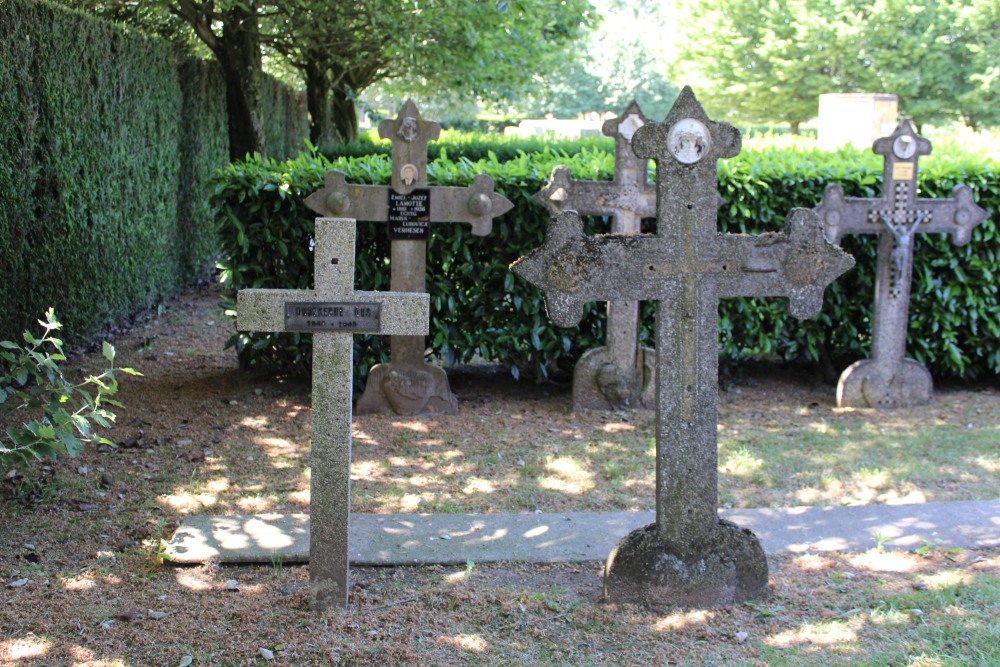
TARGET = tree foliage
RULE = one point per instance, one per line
(769, 60)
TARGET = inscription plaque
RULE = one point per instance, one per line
(410, 215)
(331, 316)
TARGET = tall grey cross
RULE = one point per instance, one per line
(619, 374)
(408, 385)
(689, 556)
(333, 312)
(888, 379)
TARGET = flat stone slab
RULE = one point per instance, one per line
(407, 539)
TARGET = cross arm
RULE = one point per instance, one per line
(595, 197)
(957, 216)
(798, 264)
(338, 198)
(845, 215)
(477, 204)
(402, 313)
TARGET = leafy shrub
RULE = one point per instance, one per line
(479, 308)
(31, 381)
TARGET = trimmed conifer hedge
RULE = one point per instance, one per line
(106, 148)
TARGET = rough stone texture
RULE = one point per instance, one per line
(647, 569)
(619, 374)
(408, 385)
(888, 379)
(686, 267)
(330, 457)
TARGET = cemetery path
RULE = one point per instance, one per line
(82, 584)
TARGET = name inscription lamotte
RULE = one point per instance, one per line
(332, 316)
(410, 215)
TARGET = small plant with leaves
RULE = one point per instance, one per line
(59, 415)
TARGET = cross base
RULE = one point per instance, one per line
(407, 389)
(867, 384)
(644, 569)
(599, 384)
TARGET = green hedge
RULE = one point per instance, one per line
(478, 307)
(107, 142)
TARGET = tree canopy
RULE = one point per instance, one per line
(485, 48)
(769, 60)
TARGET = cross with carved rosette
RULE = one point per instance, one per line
(688, 556)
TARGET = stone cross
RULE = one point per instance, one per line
(408, 385)
(619, 374)
(689, 556)
(333, 312)
(888, 379)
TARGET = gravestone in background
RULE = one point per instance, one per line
(688, 556)
(619, 374)
(888, 379)
(333, 312)
(408, 385)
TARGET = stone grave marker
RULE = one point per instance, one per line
(333, 312)
(408, 385)
(888, 379)
(620, 373)
(688, 556)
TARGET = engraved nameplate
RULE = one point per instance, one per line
(410, 215)
(332, 316)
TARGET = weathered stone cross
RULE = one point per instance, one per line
(888, 379)
(689, 556)
(408, 385)
(619, 374)
(333, 312)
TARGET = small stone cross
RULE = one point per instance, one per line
(619, 374)
(408, 385)
(333, 312)
(889, 379)
(688, 557)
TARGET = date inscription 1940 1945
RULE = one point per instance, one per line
(326, 316)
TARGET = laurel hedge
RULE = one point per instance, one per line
(480, 309)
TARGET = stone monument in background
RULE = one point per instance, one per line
(889, 379)
(619, 374)
(854, 119)
(408, 385)
(688, 556)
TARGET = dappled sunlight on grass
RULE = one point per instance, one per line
(884, 561)
(195, 579)
(681, 619)
(416, 426)
(569, 476)
(839, 633)
(617, 427)
(474, 643)
(189, 503)
(23, 648)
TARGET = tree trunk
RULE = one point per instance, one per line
(240, 58)
(795, 127)
(345, 117)
(318, 102)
